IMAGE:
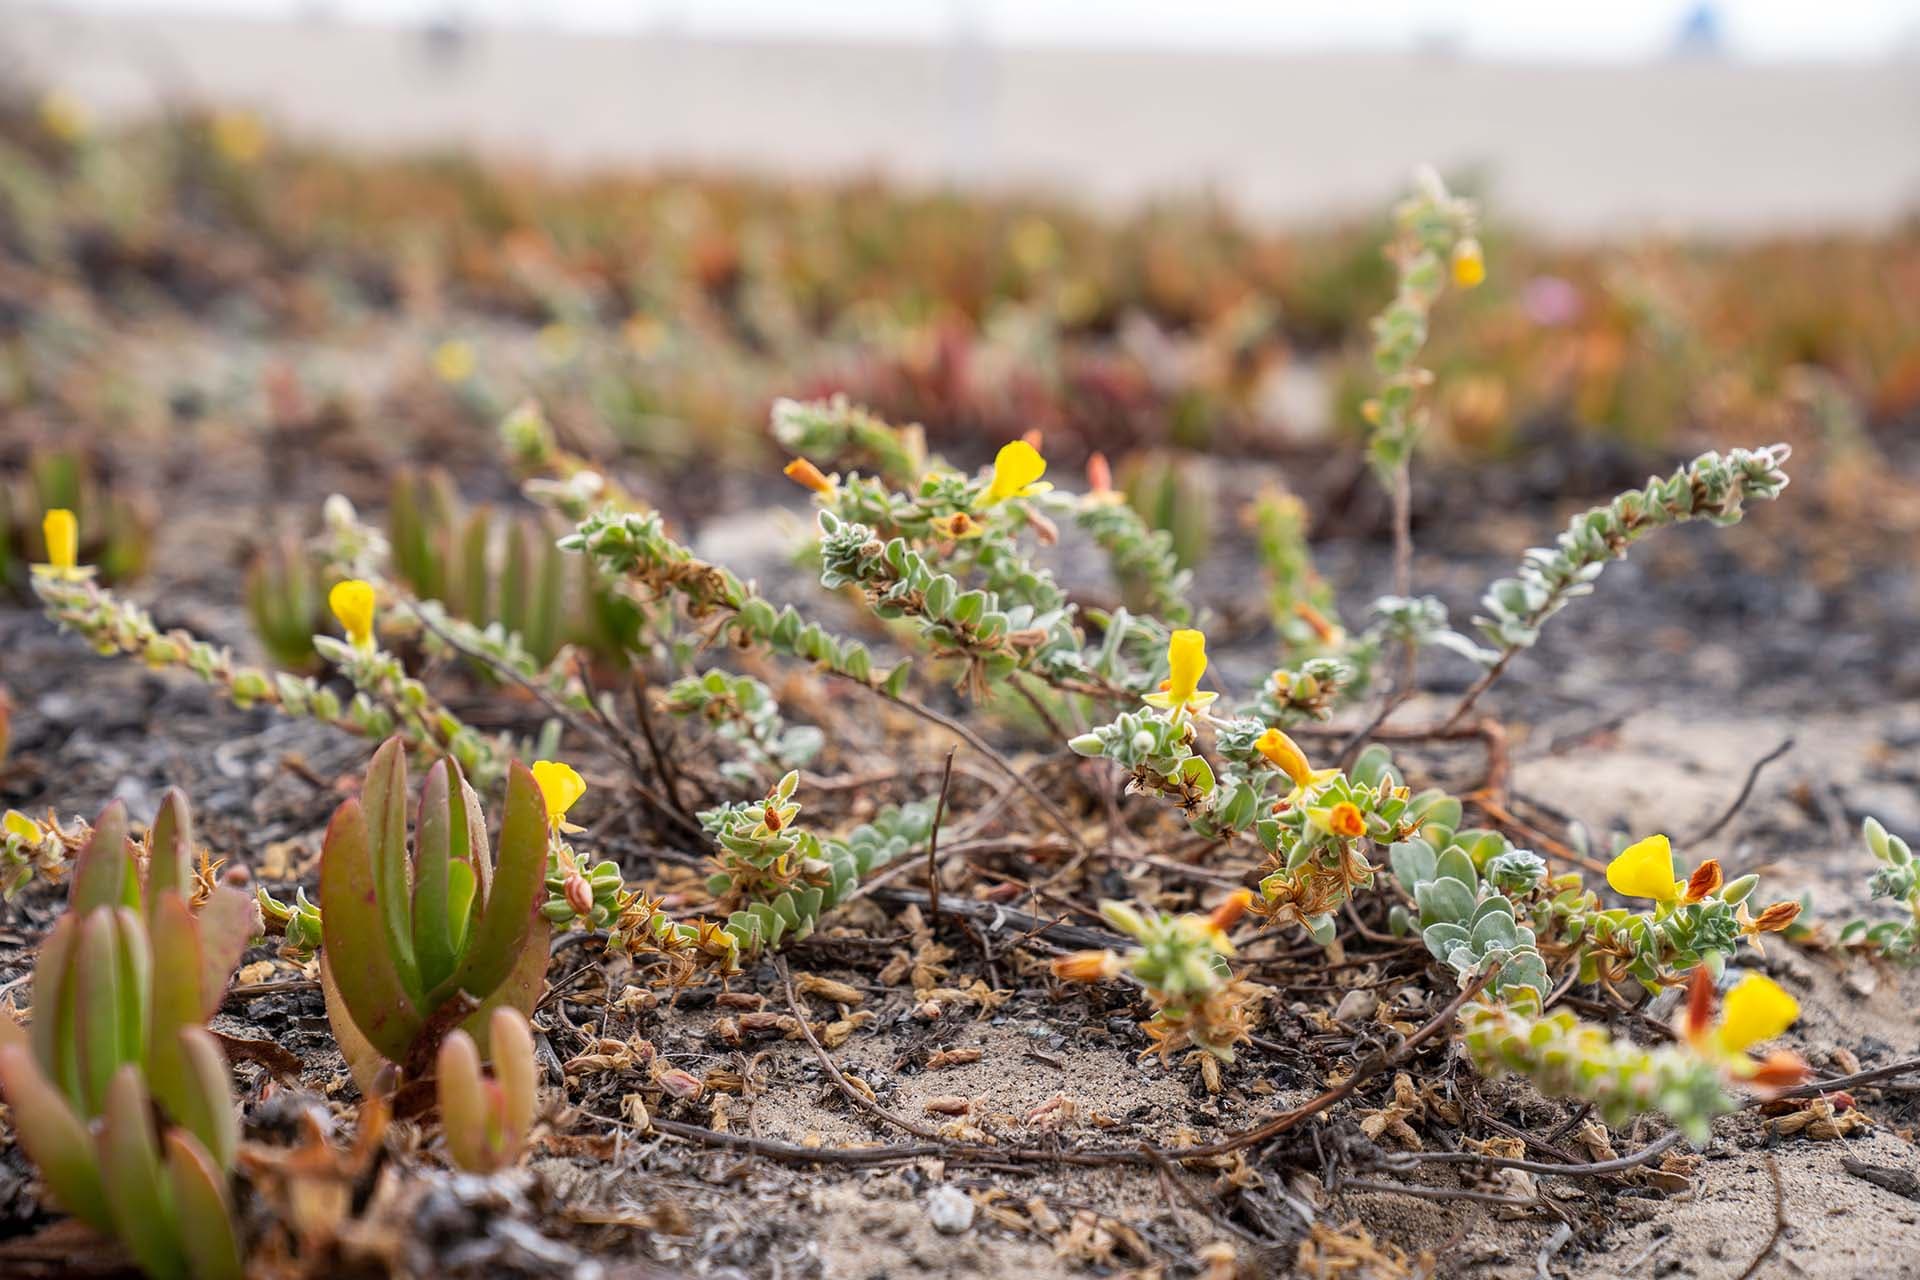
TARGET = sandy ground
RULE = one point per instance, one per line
(1707, 146)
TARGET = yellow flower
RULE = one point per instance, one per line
(1286, 756)
(64, 116)
(1186, 663)
(62, 534)
(454, 360)
(239, 137)
(1469, 264)
(560, 786)
(1645, 870)
(20, 826)
(1755, 1010)
(352, 603)
(1017, 469)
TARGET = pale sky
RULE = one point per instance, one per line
(1606, 30)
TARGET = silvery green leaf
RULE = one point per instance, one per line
(1412, 861)
(1454, 862)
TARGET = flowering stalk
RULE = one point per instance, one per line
(1686, 1081)
(1711, 487)
(1143, 558)
(636, 549)
(837, 430)
(742, 711)
(1182, 964)
(1476, 895)
(1898, 879)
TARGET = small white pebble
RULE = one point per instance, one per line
(1356, 1007)
(950, 1210)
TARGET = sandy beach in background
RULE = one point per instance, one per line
(1577, 150)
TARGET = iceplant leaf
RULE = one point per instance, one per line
(102, 870)
(384, 799)
(495, 946)
(204, 1105)
(463, 1102)
(130, 1172)
(433, 851)
(227, 922)
(176, 993)
(170, 849)
(52, 1032)
(354, 939)
(54, 1138)
(520, 990)
(513, 1066)
(100, 1031)
(200, 1204)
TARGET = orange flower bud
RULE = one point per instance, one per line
(1228, 913)
(1086, 966)
(1345, 819)
(1776, 917)
(1705, 880)
(1698, 1019)
(1327, 631)
(1777, 1071)
(803, 472)
(1099, 474)
(579, 894)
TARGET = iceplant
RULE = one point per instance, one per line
(486, 1119)
(119, 1094)
(417, 942)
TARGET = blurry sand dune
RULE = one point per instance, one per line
(1695, 145)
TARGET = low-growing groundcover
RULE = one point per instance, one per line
(955, 916)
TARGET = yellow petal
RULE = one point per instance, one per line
(1469, 264)
(1645, 870)
(454, 360)
(1186, 663)
(559, 786)
(1017, 466)
(20, 826)
(62, 533)
(352, 603)
(1286, 756)
(1756, 1009)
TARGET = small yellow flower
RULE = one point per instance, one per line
(1755, 1010)
(1017, 469)
(20, 826)
(1469, 264)
(454, 360)
(352, 603)
(1286, 756)
(560, 786)
(1186, 663)
(64, 116)
(239, 137)
(1645, 870)
(62, 535)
